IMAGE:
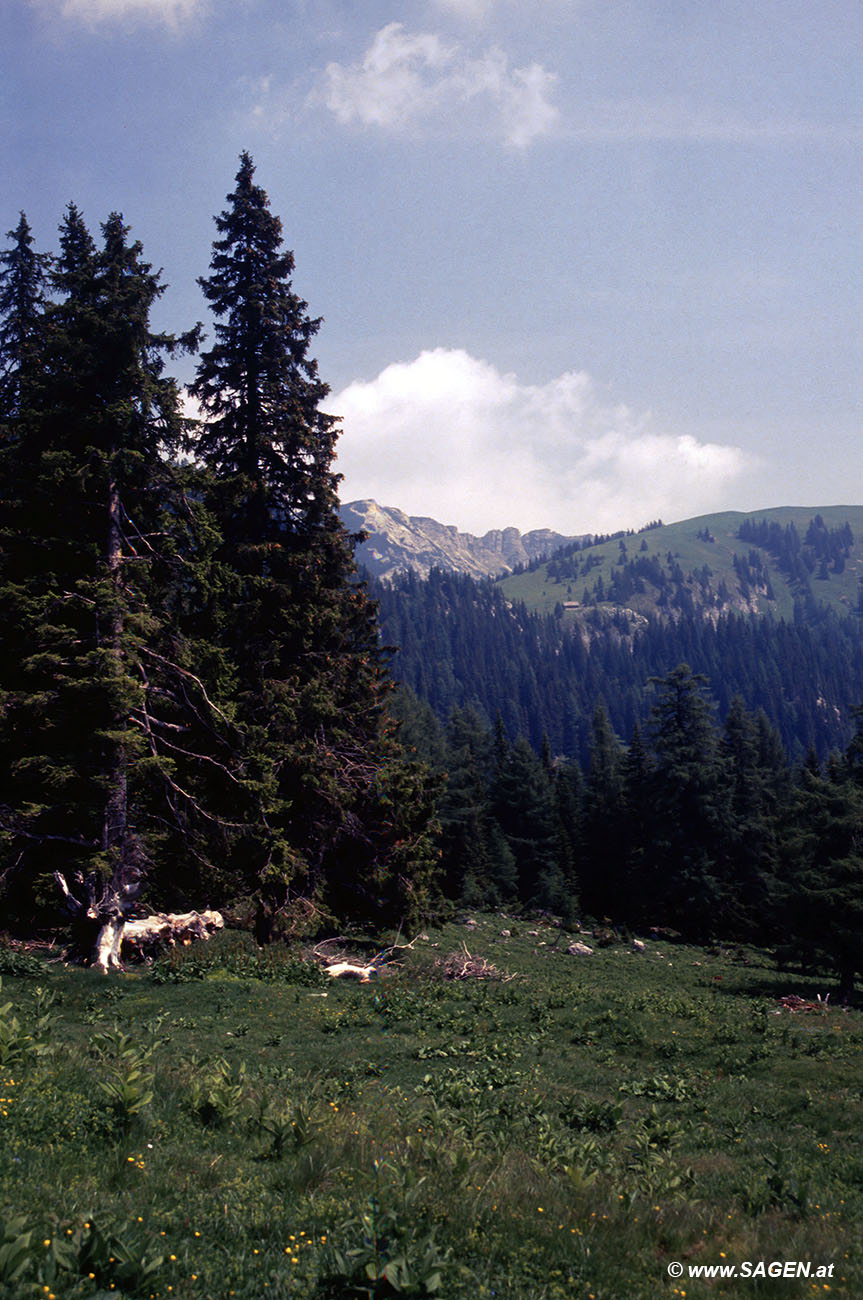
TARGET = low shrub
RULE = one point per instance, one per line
(14, 961)
(236, 954)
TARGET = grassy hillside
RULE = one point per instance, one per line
(565, 1132)
(704, 548)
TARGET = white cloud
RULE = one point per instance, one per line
(400, 76)
(449, 435)
(526, 109)
(405, 79)
(173, 13)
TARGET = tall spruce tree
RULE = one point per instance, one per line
(567, 788)
(23, 283)
(689, 831)
(752, 820)
(603, 825)
(478, 864)
(819, 894)
(523, 805)
(23, 288)
(634, 883)
(76, 582)
(342, 817)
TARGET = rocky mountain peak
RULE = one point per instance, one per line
(397, 542)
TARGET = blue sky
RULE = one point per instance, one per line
(582, 263)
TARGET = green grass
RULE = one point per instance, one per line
(241, 1130)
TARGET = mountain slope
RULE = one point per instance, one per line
(463, 645)
(397, 542)
(764, 561)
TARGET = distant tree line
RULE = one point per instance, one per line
(563, 563)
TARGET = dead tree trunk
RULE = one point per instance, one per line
(116, 777)
(100, 908)
(100, 904)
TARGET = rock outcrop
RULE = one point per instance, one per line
(397, 542)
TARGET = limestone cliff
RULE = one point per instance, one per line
(397, 541)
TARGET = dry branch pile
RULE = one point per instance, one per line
(463, 966)
(793, 1002)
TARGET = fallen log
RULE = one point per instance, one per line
(146, 936)
(98, 906)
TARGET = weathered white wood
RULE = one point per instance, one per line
(165, 929)
(348, 970)
(108, 944)
(99, 906)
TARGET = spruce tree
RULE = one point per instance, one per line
(819, 893)
(689, 832)
(75, 594)
(23, 283)
(523, 805)
(603, 821)
(478, 865)
(636, 902)
(568, 790)
(752, 821)
(341, 815)
(23, 286)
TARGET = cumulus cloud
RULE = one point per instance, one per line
(173, 13)
(400, 76)
(449, 435)
(407, 79)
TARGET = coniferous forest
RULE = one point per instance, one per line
(197, 703)
(688, 779)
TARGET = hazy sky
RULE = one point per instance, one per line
(582, 263)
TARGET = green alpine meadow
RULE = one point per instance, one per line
(492, 1115)
(432, 937)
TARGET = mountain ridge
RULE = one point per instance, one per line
(759, 561)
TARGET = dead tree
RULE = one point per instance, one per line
(99, 907)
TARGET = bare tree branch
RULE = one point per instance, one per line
(184, 672)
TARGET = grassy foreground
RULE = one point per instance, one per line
(229, 1124)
